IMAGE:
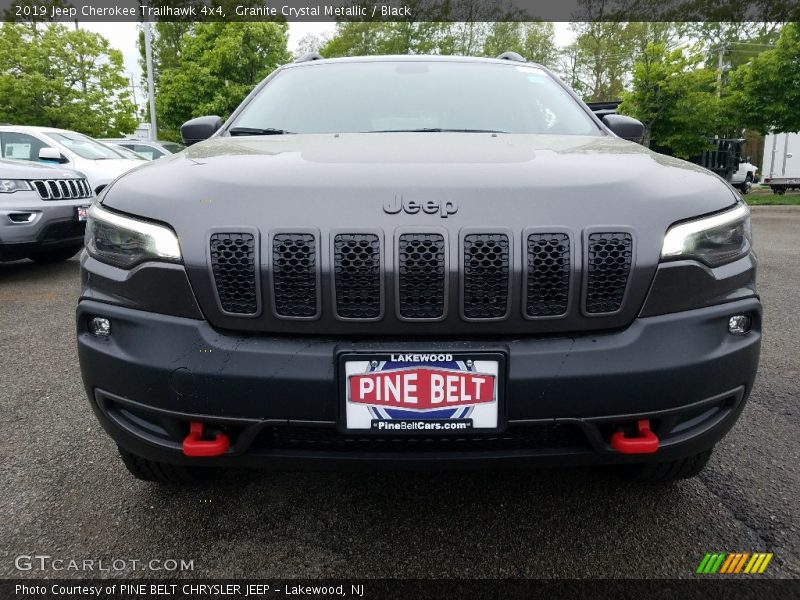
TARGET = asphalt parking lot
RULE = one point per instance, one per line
(64, 493)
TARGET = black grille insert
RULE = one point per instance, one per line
(608, 270)
(516, 437)
(421, 275)
(357, 273)
(294, 274)
(548, 274)
(486, 275)
(233, 263)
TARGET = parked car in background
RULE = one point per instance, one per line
(151, 150)
(745, 176)
(126, 152)
(42, 211)
(70, 149)
(782, 162)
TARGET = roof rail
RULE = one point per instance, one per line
(309, 57)
(512, 56)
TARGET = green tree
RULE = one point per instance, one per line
(503, 36)
(538, 43)
(58, 77)
(675, 98)
(216, 66)
(535, 41)
(604, 53)
(356, 38)
(765, 93)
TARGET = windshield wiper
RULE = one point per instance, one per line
(435, 130)
(257, 131)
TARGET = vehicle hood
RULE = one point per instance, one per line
(15, 169)
(600, 177)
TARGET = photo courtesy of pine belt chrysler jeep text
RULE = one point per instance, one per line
(428, 261)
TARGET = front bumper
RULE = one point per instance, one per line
(277, 397)
(27, 226)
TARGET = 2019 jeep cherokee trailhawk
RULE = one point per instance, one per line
(426, 259)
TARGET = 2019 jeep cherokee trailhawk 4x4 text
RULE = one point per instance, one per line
(432, 260)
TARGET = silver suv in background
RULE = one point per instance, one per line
(42, 211)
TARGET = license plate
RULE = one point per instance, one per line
(81, 212)
(422, 392)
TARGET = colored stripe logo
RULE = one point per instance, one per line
(732, 563)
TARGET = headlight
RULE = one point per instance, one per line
(7, 186)
(126, 242)
(712, 240)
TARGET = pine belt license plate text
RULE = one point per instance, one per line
(422, 392)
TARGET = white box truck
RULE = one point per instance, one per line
(781, 169)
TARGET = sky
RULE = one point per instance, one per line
(123, 36)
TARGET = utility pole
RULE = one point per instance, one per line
(148, 56)
(720, 57)
(133, 92)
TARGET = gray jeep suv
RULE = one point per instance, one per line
(417, 260)
(42, 211)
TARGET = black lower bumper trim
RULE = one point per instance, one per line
(157, 434)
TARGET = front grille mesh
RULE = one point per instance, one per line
(421, 280)
(357, 273)
(354, 288)
(62, 189)
(233, 262)
(486, 275)
(294, 274)
(547, 274)
(609, 266)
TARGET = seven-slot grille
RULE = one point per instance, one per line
(357, 276)
(233, 262)
(62, 189)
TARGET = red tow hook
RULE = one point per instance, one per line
(646, 442)
(195, 445)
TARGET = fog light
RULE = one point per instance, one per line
(100, 326)
(739, 324)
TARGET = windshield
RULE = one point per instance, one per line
(84, 146)
(413, 96)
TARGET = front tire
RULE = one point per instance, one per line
(55, 256)
(151, 470)
(672, 470)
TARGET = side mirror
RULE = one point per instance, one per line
(51, 155)
(199, 129)
(627, 128)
